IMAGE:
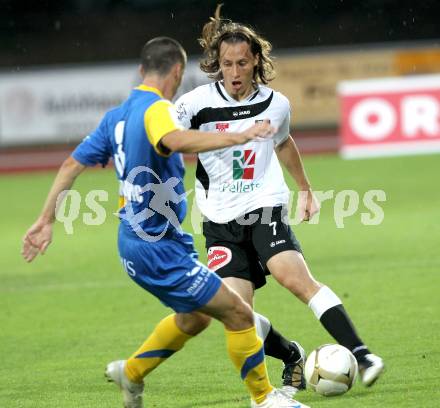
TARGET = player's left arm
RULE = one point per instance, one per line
(289, 156)
(39, 235)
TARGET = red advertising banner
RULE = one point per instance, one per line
(392, 116)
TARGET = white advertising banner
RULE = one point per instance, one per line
(63, 105)
(391, 116)
(59, 105)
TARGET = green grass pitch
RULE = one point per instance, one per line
(63, 317)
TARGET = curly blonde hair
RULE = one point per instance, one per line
(219, 30)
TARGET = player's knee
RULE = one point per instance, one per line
(240, 316)
(203, 321)
(294, 286)
(192, 323)
(303, 290)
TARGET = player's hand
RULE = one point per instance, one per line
(36, 240)
(308, 205)
(261, 130)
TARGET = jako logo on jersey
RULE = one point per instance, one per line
(274, 243)
(241, 113)
(218, 256)
(243, 164)
(221, 127)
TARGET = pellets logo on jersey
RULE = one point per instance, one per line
(218, 256)
(243, 164)
(221, 127)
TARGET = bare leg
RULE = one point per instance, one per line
(291, 271)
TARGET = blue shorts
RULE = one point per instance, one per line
(169, 269)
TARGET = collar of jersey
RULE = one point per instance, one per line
(146, 88)
(231, 99)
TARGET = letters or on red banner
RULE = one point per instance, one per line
(390, 116)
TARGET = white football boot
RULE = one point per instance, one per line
(277, 399)
(370, 368)
(131, 392)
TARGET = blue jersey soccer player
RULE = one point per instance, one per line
(142, 135)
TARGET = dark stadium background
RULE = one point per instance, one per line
(53, 32)
(58, 34)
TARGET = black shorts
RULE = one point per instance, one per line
(242, 251)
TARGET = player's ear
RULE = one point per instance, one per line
(256, 59)
(141, 70)
(181, 68)
(178, 70)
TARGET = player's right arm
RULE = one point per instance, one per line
(94, 149)
(167, 134)
(194, 141)
(39, 235)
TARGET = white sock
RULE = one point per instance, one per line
(323, 300)
(262, 324)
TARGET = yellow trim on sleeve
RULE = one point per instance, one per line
(121, 202)
(160, 119)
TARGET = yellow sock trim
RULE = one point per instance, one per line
(163, 342)
(246, 351)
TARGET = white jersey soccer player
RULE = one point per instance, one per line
(234, 181)
(242, 192)
(240, 181)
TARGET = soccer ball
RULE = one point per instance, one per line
(331, 370)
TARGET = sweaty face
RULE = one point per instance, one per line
(237, 65)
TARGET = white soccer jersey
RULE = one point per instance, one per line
(235, 180)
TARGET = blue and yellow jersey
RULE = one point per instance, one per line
(151, 177)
